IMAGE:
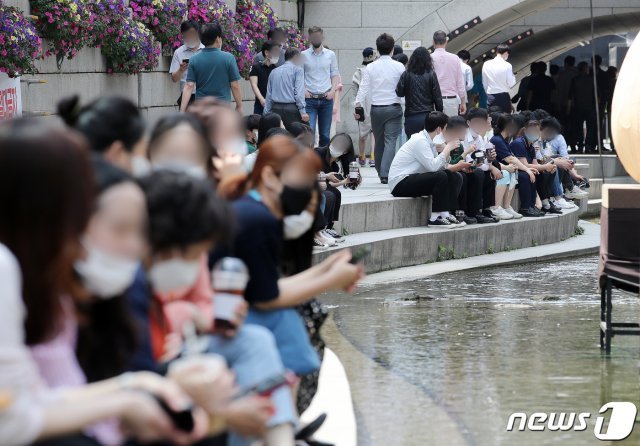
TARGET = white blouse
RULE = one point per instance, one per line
(22, 392)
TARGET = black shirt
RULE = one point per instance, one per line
(541, 86)
(262, 72)
(421, 92)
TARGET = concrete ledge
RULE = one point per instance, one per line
(396, 248)
(611, 163)
(586, 244)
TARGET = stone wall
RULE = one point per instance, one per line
(86, 75)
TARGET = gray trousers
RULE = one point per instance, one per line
(289, 113)
(386, 123)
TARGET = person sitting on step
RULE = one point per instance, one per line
(419, 170)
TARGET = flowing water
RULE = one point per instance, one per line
(486, 343)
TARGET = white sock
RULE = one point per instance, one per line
(545, 203)
(434, 216)
(445, 214)
(280, 435)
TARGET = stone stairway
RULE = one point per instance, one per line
(591, 167)
(395, 231)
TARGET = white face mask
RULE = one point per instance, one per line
(104, 274)
(192, 44)
(473, 133)
(335, 153)
(296, 225)
(439, 139)
(140, 166)
(237, 145)
(275, 60)
(179, 166)
(174, 275)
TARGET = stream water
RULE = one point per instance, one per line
(487, 343)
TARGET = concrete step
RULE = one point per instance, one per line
(612, 166)
(381, 212)
(595, 189)
(395, 248)
(593, 208)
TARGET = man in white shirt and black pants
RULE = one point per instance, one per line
(498, 79)
(419, 170)
(379, 81)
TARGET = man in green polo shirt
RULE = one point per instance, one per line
(214, 72)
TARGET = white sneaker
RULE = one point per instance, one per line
(513, 213)
(576, 193)
(319, 245)
(564, 204)
(501, 214)
(326, 239)
(334, 235)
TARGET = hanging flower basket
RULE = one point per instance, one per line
(257, 18)
(296, 38)
(131, 48)
(105, 20)
(20, 44)
(64, 23)
(162, 17)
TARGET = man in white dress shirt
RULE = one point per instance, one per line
(498, 79)
(379, 81)
(467, 73)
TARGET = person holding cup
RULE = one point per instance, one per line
(186, 219)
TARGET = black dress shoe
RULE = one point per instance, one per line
(487, 213)
(552, 209)
(384, 180)
(531, 212)
(483, 219)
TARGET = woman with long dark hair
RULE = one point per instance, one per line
(421, 90)
(46, 200)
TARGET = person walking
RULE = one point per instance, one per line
(450, 78)
(191, 45)
(379, 82)
(321, 78)
(259, 74)
(365, 134)
(214, 72)
(285, 90)
(498, 79)
(467, 74)
(421, 90)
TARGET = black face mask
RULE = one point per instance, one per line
(316, 45)
(295, 199)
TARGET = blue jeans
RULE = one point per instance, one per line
(320, 111)
(253, 356)
(556, 190)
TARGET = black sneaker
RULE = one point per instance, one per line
(552, 209)
(487, 213)
(384, 180)
(482, 219)
(439, 223)
(531, 212)
(469, 220)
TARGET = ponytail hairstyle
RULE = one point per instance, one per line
(104, 121)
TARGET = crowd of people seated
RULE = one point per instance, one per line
(111, 240)
(472, 165)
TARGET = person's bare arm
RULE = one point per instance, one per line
(237, 95)
(253, 80)
(187, 91)
(177, 75)
(335, 273)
